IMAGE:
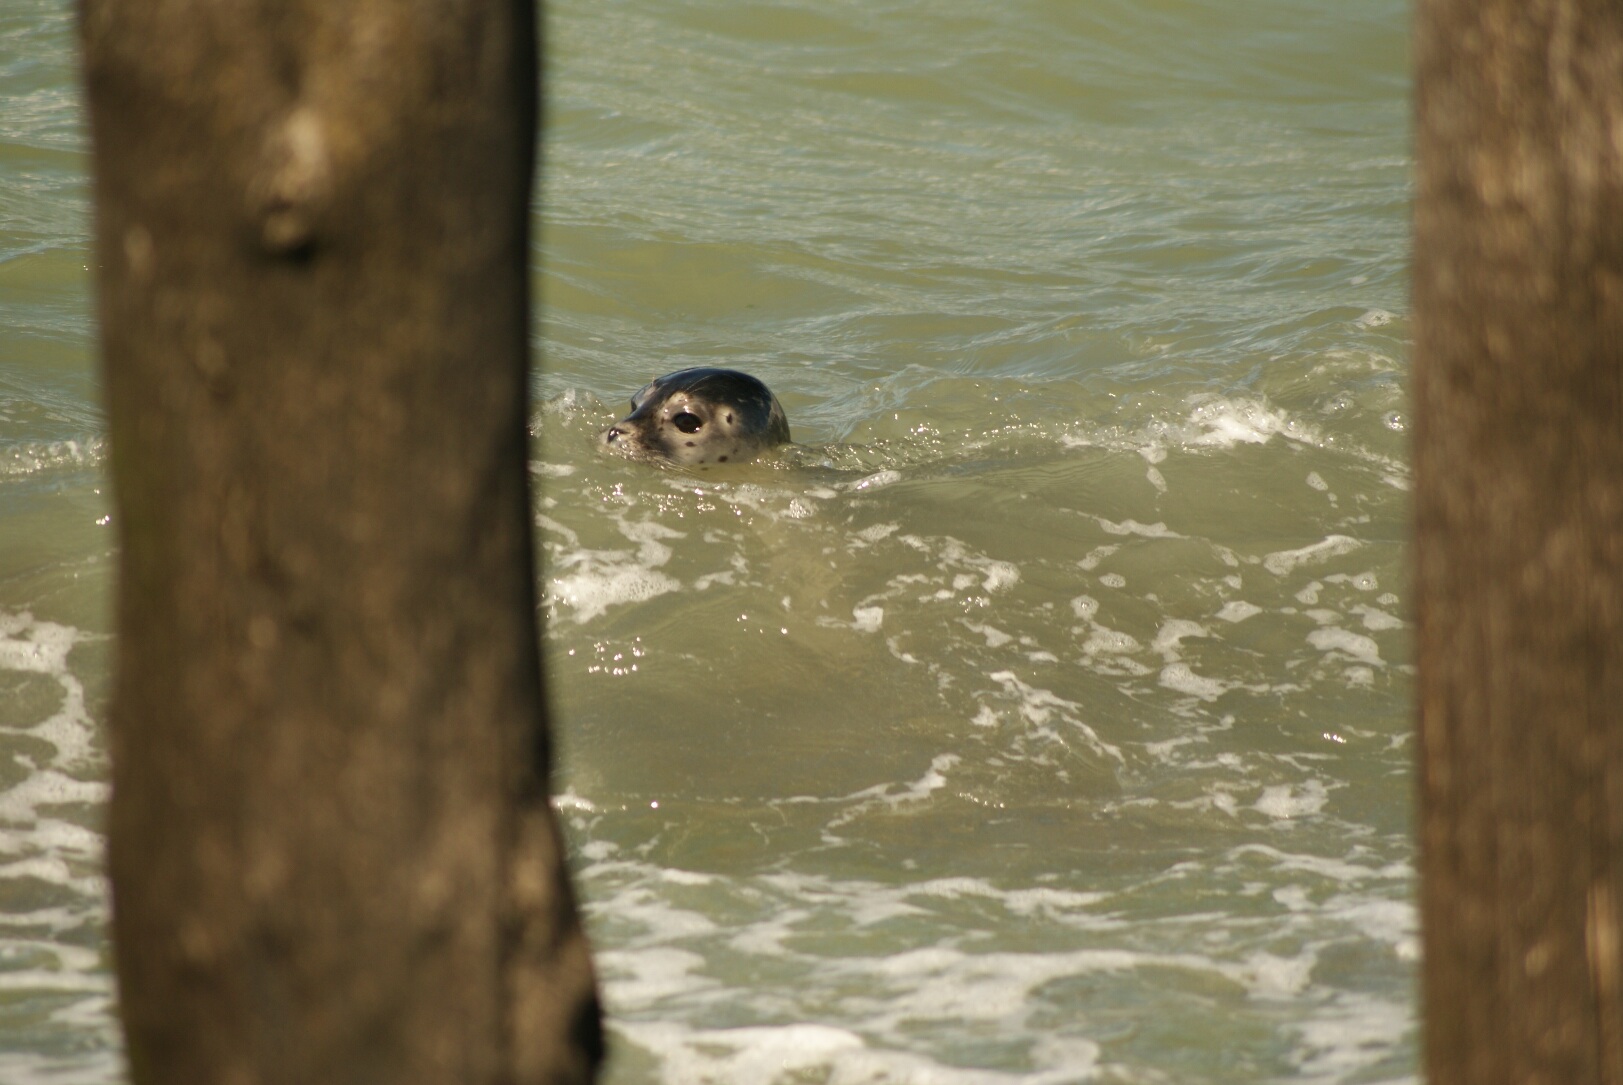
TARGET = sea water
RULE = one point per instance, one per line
(1042, 714)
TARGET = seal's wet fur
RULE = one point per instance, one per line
(702, 416)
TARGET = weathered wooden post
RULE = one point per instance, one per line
(1518, 386)
(331, 850)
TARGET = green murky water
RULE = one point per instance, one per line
(1041, 716)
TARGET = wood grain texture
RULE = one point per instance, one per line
(1518, 388)
(330, 845)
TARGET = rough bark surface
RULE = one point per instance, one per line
(330, 846)
(1518, 386)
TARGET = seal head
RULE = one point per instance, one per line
(696, 417)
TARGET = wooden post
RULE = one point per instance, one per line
(331, 850)
(1518, 398)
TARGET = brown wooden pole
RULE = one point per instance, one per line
(330, 845)
(1518, 387)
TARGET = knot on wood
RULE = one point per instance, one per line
(295, 184)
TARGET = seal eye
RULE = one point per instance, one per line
(687, 423)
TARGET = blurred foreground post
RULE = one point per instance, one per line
(331, 850)
(1518, 279)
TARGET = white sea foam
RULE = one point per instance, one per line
(1219, 422)
(1096, 555)
(949, 553)
(38, 647)
(45, 950)
(1377, 621)
(1283, 561)
(1102, 640)
(653, 975)
(569, 535)
(995, 638)
(589, 582)
(867, 619)
(1334, 639)
(87, 1018)
(1170, 637)
(1285, 802)
(1179, 677)
(1042, 708)
(34, 457)
(1266, 975)
(601, 580)
(1133, 527)
(1211, 422)
(1238, 610)
(874, 532)
(859, 1017)
(1331, 869)
(1345, 1040)
(999, 575)
(765, 1055)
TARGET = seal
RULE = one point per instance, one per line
(696, 417)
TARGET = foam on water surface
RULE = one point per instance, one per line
(878, 979)
(1041, 716)
(996, 708)
(37, 457)
(51, 791)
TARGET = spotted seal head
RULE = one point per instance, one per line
(701, 416)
